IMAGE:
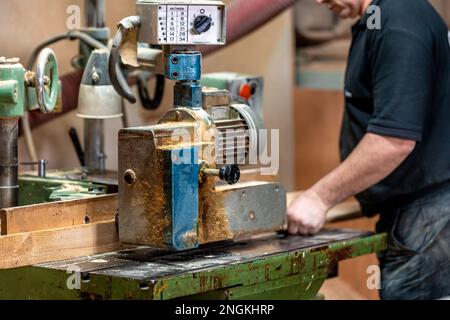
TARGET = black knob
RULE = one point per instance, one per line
(230, 174)
(201, 24)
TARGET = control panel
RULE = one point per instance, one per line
(182, 22)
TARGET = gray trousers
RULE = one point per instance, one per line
(416, 265)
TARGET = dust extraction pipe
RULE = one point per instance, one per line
(243, 17)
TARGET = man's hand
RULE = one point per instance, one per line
(373, 159)
(307, 214)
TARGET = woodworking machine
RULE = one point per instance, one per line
(186, 223)
(179, 180)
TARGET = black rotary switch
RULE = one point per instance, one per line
(201, 24)
(230, 174)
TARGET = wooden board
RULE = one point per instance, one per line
(58, 214)
(74, 213)
(32, 237)
(30, 248)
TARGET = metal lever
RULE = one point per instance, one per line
(42, 167)
(77, 145)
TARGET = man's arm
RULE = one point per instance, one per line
(375, 158)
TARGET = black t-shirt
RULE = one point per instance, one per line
(397, 85)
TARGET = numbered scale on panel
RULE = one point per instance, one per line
(190, 24)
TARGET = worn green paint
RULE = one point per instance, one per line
(291, 275)
(289, 288)
(8, 91)
(12, 77)
(35, 190)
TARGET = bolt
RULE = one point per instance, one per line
(129, 177)
(175, 60)
(95, 77)
(30, 78)
(47, 80)
(252, 215)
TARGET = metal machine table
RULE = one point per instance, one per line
(271, 267)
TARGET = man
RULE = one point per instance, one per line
(395, 144)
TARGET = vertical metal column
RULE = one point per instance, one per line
(94, 128)
(94, 144)
(95, 13)
(9, 165)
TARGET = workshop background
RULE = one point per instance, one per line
(303, 94)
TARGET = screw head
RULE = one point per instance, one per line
(95, 77)
(129, 177)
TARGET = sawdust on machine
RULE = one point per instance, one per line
(152, 202)
(213, 224)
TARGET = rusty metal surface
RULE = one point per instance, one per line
(145, 264)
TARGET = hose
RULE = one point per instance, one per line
(117, 79)
(245, 16)
(148, 102)
(71, 35)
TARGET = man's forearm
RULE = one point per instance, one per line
(375, 158)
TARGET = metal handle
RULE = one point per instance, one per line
(47, 81)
